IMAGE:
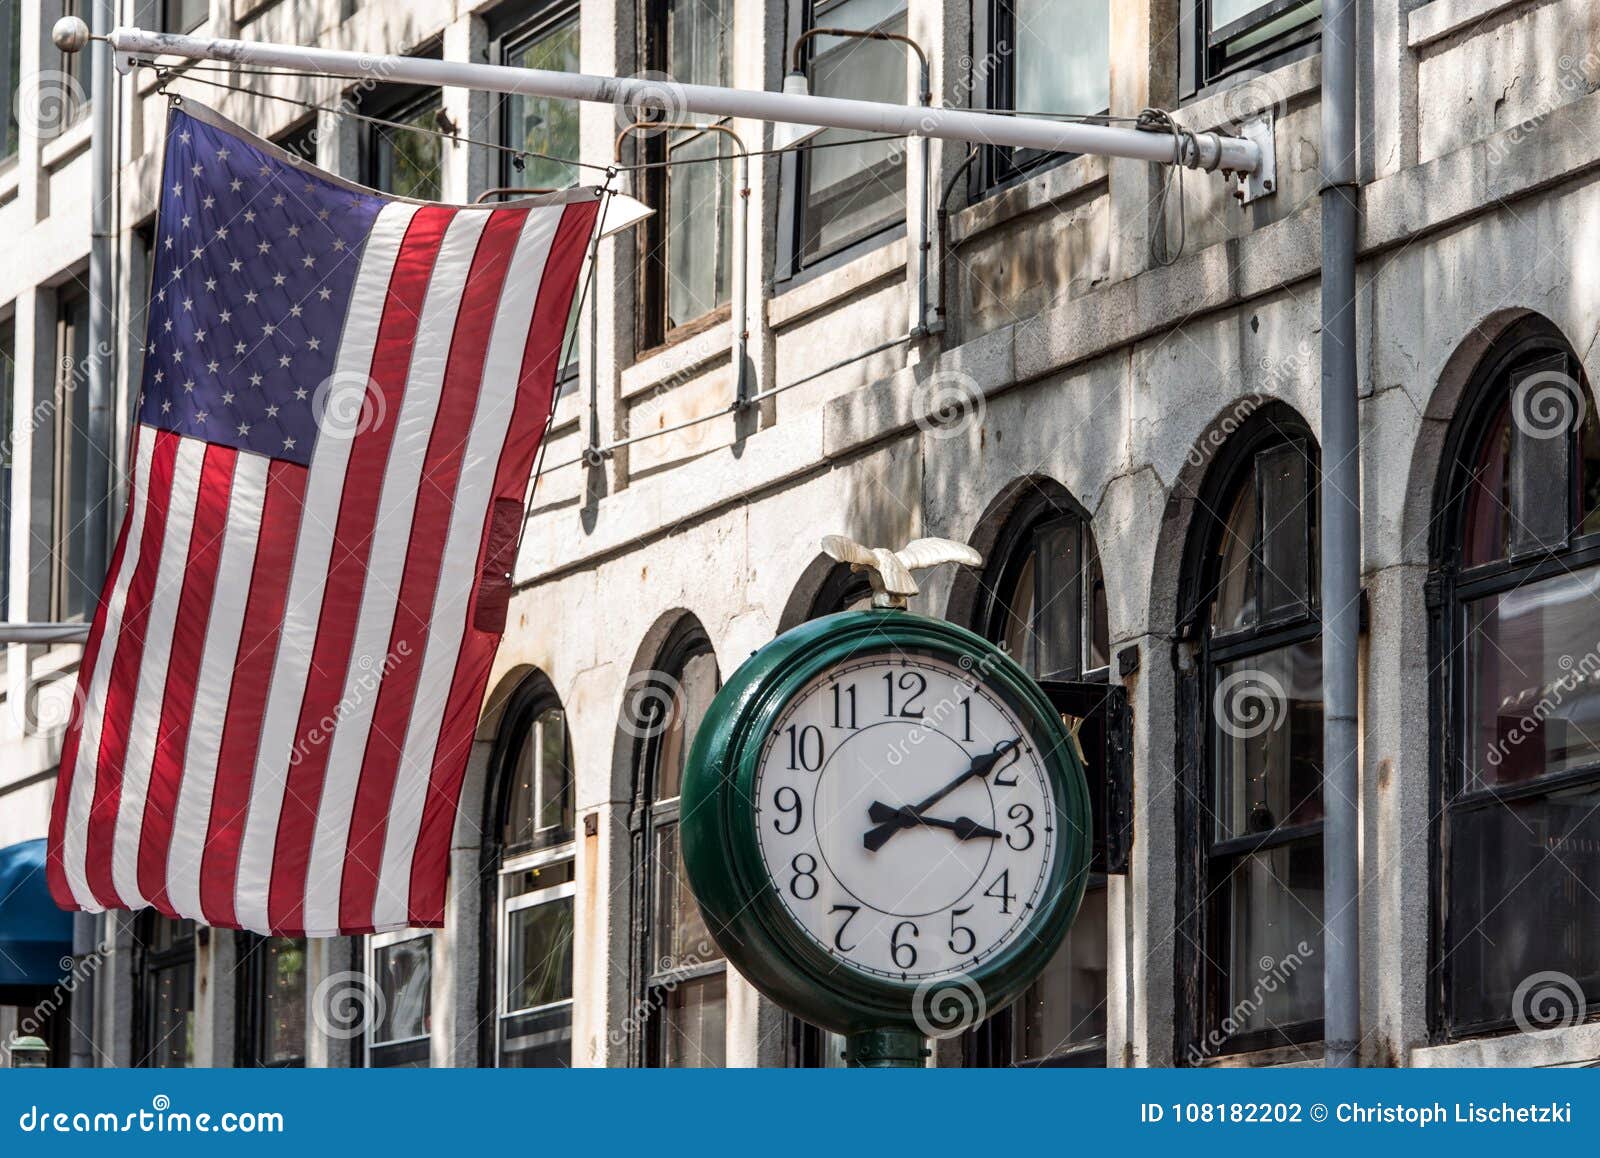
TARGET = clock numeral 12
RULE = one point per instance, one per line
(910, 681)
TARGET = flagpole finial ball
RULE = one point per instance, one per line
(70, 34)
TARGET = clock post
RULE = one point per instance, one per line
(884, 821)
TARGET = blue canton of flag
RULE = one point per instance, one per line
(254, 266)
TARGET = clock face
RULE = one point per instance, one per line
(905, 816)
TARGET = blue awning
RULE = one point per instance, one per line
(34, 934)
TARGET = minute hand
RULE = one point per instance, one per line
(876, 838)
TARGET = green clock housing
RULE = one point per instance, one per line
(887, 827)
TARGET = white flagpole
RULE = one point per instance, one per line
(1210, 151)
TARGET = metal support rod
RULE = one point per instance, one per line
(40, 633)
(1210, 150)
(1341, 545)
(102, 302)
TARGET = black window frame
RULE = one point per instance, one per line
(1204, 1000)
(556, 856)
(1201, 71)
(10, 80)
(654, 328)
(170, 13)
(251, 1012)
(395, 1053)
(791, 263)
(650, 986)
(1453, 583)
(394, 102)
(511, 28)
(8, 383)
(150, 963)
(1082, 693)
(70, 458)
(999, 167)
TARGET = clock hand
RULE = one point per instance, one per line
(876, 838)
(963, 826)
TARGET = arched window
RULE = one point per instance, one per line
(681, 977)
(1516, 607)
(1251, 810)
(531, 827)
(1044, 599)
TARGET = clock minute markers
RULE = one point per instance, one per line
(876, 838)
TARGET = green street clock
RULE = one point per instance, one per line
(884, 820)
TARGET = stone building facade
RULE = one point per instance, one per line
(1113, 394)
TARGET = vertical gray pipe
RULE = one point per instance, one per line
(1341, 543)
(97, 476)
(102, 299)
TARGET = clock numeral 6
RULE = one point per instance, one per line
(961, 931)
(787, 800)
(805, 747)
(805, 869)
(903, 952)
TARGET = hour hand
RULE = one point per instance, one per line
(964, 827)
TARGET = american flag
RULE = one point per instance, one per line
(342, 396)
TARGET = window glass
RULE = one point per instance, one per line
(166, 966)
(404, 162)
(10, 74)
(74, 590)
(853, 191)
(1062, 56)
(694, 1023)
(1523, 903)
(1533, 700)
(539, 958)
(699, 216)
(8, 380)
(683, 988)
(697, 687)
(1269, 741)
(1233, 35)
(1067, 1003)
(544, 124)
(184, 15)
(273, 976)
(1275, 904)
(403, 973)
(539, 809)
(1260, 889)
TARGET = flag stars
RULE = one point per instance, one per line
(249, 215)
(255, 379)
(225, 317)
(277, 200)
(166, 406)
(235, 265)
(268, 330)
(213, 366)
(294, 231)
(195, 170)
(288, 444)
(295, 311)
(227, 397)
(250, 296)
(235, 185)
(211, 285)
(284, 359)
(308, 261)
(264, 248)
(278, 279)
(238, 347)
(222, 233)
(223, 154)
(313, 343)
(244, 429)
(324, 293)
(300, 394)
(272, 412)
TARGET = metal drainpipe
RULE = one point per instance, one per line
(1341, 544)
(97, 480)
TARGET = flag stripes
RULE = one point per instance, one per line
(282, 679)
